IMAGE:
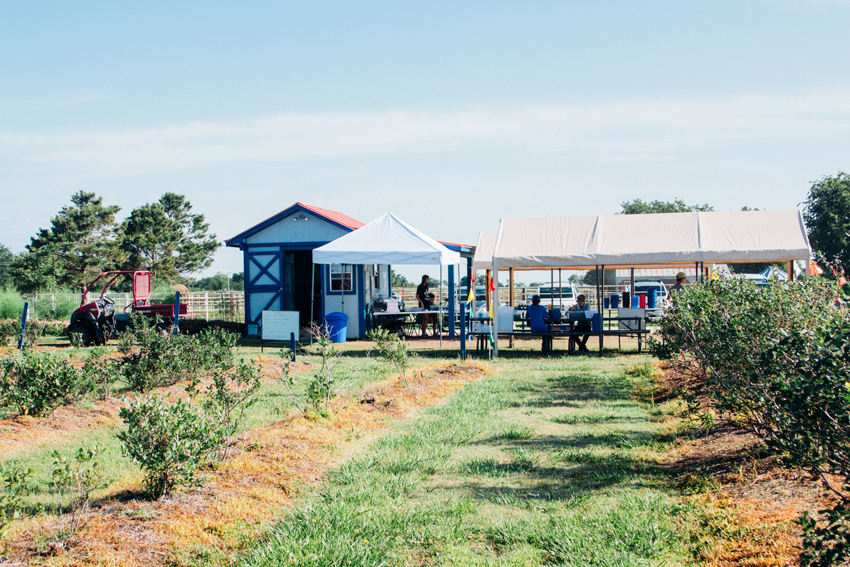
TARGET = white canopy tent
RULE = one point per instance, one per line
(665, 239)
(387, 240)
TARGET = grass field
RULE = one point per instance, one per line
(551, 462)
(529, 460)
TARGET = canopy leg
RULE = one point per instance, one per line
(312, 300)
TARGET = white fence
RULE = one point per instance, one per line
(222, 305)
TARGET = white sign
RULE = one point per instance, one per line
(278, 325)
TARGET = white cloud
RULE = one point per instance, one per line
(624, 130)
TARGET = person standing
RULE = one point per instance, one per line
(681, 280)
(424, 302)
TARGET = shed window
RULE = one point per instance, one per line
(341, 277)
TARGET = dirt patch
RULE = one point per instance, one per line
(243, 495)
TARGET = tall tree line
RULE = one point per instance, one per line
(84, 239)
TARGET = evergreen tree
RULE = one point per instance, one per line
(39, 269)
(167, 239)
(82, 236)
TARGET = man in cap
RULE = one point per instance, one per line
(681, 280)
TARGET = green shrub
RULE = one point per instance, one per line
(393, 349)
(75, 480)
(36, 383)
(13, 485)
(230, 394)
(100, 372)
(8, 330)
(776, 361)
(169, 441)
(163, 359)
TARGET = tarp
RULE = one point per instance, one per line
(483, 259)
(651, 240)
(385, 240)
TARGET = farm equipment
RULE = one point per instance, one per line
(96, 321)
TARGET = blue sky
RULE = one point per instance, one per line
(451, 115)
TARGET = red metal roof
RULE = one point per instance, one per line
(334, 216)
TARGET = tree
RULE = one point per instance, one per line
(639, 207)
(39, 269)
(82, 236)
(401, 281)
(6, 260)
(827, 216)
(167, 239)
(590, 277)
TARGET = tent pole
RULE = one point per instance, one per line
(551, 289)
(440, 305)
(495, 312)
(511, 299)
(601, 322)
(312, 300)
(560, 291)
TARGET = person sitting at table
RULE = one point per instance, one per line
(424, 302)
(582, 305)
(431, 317)
(536, 314)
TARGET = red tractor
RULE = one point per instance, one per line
(96, 321)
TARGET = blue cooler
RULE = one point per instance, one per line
(337, 326)
(652, 298)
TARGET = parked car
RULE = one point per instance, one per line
(565, 295)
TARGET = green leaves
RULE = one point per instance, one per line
(167, 238)
(827, 216)
(169, 441)
(36, 383)
(13, 485)
(777, 361)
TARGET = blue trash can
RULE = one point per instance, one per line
(606, 303)
(615, 301)
(652, 298)
(594, 323)
(337, 326)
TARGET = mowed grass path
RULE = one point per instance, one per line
(550, 462)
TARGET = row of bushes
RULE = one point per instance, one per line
(776, 361)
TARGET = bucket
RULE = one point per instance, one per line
(642, 301)
(652, 298)
(337, 326)
(594, 325)
(627, 299)
(615, 301)
(606, 303)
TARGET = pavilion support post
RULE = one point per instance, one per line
(631, 286)
(495, 300)
(452, 301)
(696, 272)
(790, 270)
(560, 291)
(511, 298)
(600, 276)
(551, 289)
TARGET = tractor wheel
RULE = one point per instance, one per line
(87, 336)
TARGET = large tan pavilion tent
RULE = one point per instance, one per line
(664, 239)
